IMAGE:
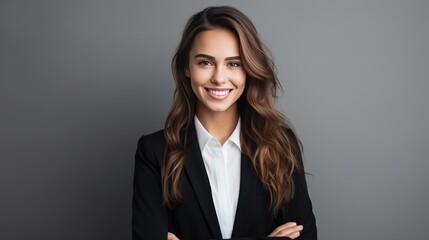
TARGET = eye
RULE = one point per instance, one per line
(234, 64)
(205, 62)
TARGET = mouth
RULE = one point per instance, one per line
(218, 93)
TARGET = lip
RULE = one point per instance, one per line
(218, 93)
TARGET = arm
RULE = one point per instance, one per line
(299, 210)
(257, 238)
(296, 219)
(149, 219)
(289, 229)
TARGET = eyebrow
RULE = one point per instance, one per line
(200, 55)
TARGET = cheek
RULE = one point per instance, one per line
(194, 85)
(240, 79)
(199, 76)
(194, 78)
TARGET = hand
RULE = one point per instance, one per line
(289, 229)
(171, 236)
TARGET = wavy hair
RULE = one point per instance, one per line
(274, 158)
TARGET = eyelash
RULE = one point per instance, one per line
(204, 63)
(234, 64)
(207, 63)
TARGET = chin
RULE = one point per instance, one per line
(219, 109)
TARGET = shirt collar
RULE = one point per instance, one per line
(204, 136)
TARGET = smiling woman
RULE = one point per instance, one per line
(216, 75)
(227, 164)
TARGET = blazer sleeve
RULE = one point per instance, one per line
(149, 220)
(257, 238)
(300, 210)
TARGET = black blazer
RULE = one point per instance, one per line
(196, 219)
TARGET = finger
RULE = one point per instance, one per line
(282, 227)
(171, 236)
(294, 235)
(289, 232)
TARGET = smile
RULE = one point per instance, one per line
(218, 93)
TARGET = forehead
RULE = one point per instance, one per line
(217, 43)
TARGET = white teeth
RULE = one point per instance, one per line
(219, 93)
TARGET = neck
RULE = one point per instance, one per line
(219, 124)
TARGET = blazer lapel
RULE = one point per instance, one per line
(246, 190)
(196, 171)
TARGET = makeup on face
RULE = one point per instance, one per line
(217, 76)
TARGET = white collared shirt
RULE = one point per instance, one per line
(222, 165)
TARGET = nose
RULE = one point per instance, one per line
(219, 76)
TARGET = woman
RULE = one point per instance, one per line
(227, 164)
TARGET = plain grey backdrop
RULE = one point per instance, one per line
(82, 80)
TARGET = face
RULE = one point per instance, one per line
(215, 71)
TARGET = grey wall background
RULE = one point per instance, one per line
(82, 80)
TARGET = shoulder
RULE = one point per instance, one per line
(151, 146)
(156, 138)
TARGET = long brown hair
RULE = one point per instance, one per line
(267, 137)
